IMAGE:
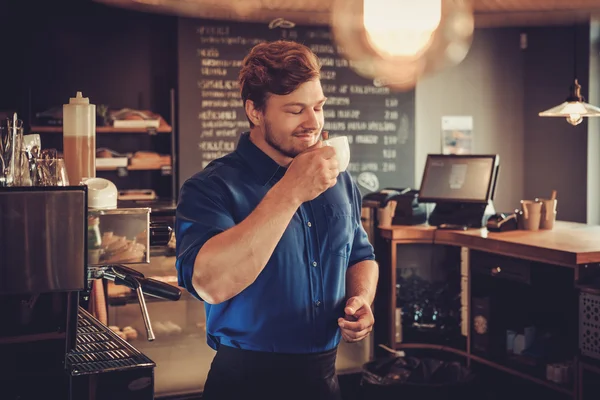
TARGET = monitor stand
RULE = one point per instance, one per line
(470, 215)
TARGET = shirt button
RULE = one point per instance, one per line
(317, 303)
(309, 224)
(314, 263)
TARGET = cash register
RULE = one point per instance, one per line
(462, 188)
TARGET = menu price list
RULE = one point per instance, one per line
(377, 121)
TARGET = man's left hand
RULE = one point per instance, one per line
(359, 320)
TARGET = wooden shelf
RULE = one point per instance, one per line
(427, 346)
(103, 129)
(484, 361)
(492, 364)
(590, 367)
(163, 128)
(136, 168)
(512, 371)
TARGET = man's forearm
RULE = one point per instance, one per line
(361, 280)
(230, 261)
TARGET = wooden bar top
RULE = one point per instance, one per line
(568, 244)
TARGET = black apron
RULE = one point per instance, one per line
(244, 374)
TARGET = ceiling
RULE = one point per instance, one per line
(488, 13)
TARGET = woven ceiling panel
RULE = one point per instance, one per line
(317, 12)
(534, 5)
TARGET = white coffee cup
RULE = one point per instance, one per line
(342, 150)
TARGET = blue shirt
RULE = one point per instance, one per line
(294, 304)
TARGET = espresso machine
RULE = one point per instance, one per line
(52, 249)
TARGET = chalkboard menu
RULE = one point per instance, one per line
(379, 123)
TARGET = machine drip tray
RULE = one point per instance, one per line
(99, 350)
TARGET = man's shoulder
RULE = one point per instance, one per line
(224, 169)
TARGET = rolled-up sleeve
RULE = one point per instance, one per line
(201, 214)
(361, 247)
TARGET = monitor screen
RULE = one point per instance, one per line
(458, 178)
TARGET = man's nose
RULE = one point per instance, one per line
(311, 121)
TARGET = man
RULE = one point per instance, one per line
(270, 237)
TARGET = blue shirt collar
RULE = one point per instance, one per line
(263, 166)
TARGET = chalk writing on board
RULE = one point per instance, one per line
(378, 122)
(220, 94)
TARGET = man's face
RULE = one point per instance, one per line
(293, 122)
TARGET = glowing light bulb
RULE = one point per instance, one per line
(402, 27)
(574, 119)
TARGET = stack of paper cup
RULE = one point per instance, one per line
(548, 216)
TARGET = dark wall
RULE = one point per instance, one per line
(593, 134)
(504, 87)
(115, 57)
(555, 152)
(123, 58)
(487, 85)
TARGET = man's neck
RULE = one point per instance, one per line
(257, 137)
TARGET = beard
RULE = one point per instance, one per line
(288, 150)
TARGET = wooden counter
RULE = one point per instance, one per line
(572, 245)
(569, 244)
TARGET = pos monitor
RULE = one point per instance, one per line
(462, 188)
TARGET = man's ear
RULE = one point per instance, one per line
(254, 115)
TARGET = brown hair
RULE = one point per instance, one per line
(276, 67)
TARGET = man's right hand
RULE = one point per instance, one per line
(311, 172)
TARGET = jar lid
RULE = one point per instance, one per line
(102, 193)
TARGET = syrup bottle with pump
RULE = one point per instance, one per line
(79, 138)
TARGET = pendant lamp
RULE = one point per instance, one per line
(574, 108)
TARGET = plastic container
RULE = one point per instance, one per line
(79, 138)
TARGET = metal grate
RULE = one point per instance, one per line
(98, 349)
(589, 324)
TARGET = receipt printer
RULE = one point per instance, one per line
(408, 210)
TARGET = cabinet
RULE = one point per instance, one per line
(159, 176)
(589, 379)
(508, 284)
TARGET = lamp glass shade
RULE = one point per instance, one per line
(572, 107)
